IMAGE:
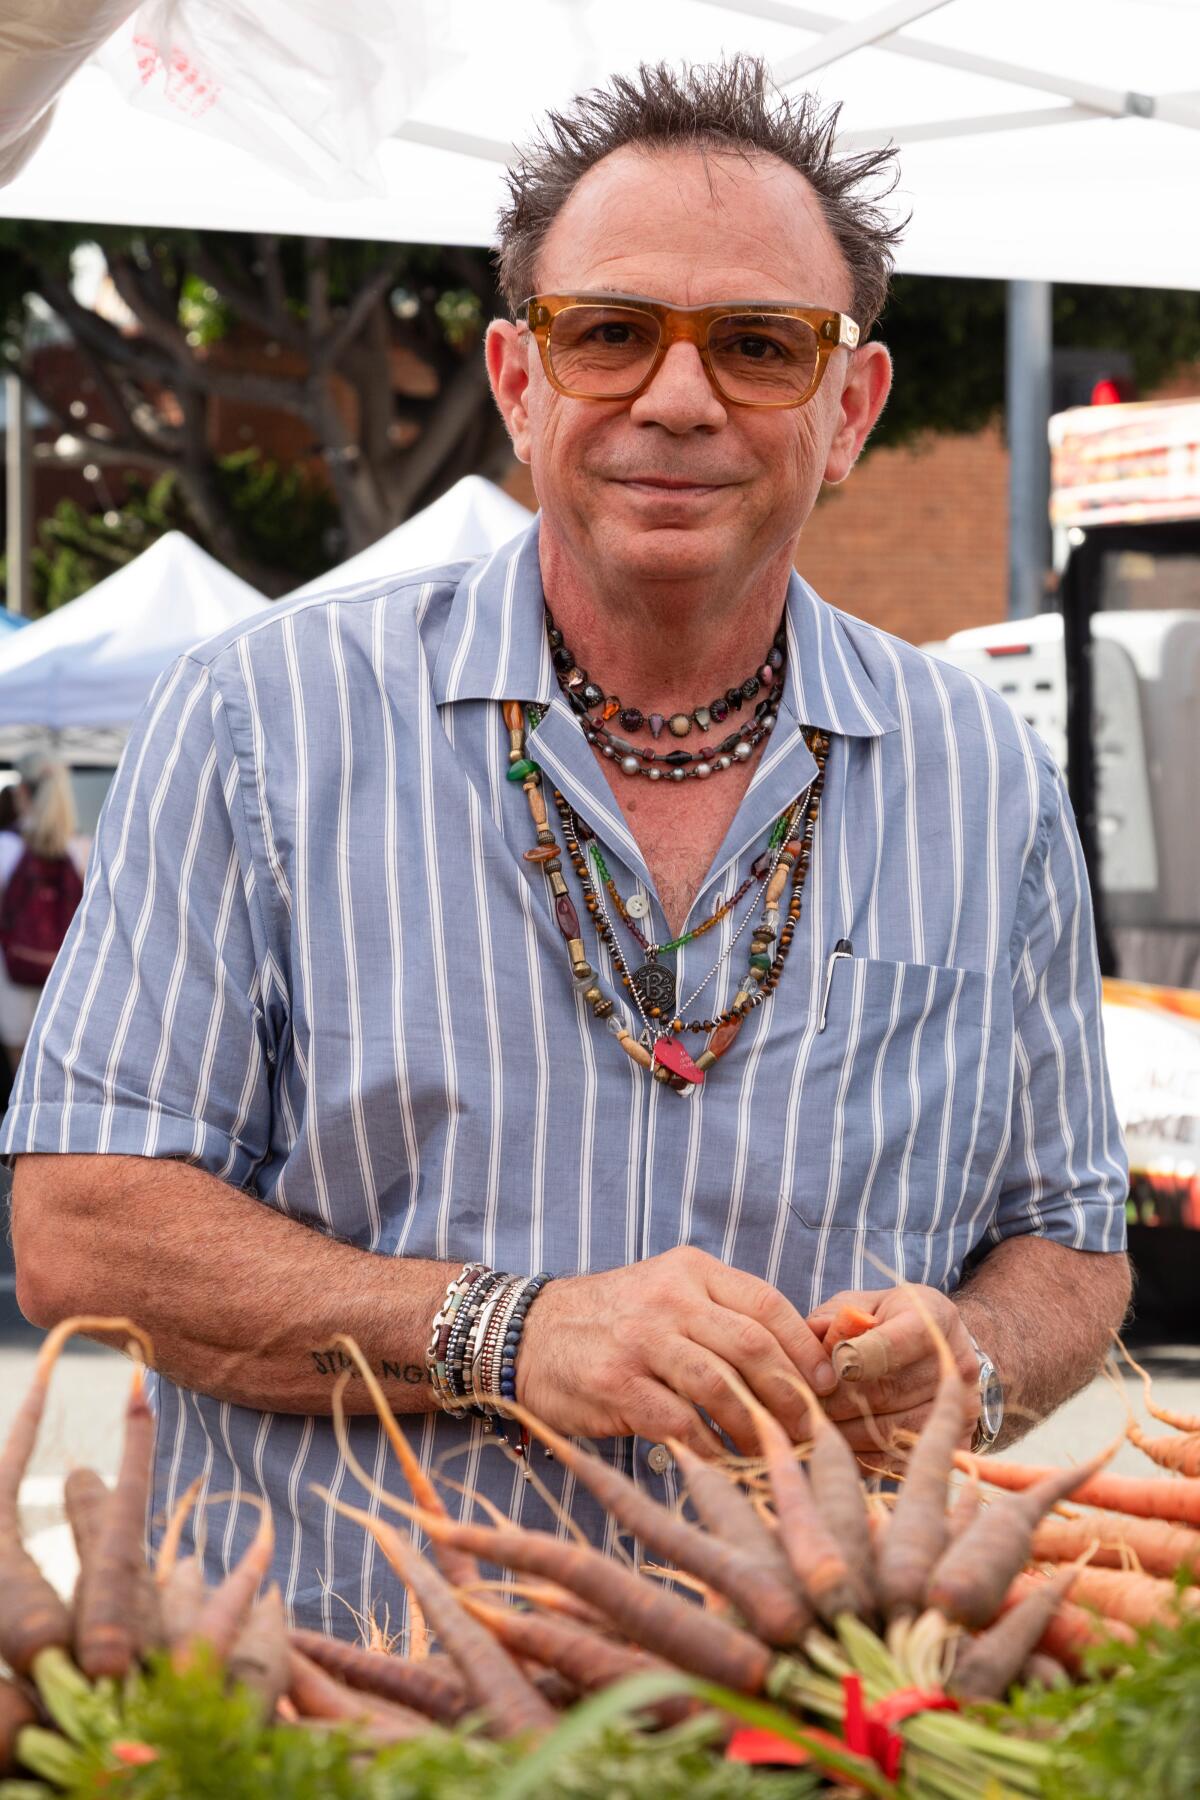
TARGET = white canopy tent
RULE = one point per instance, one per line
(1046, 142)
(471, 519)
(92, 663)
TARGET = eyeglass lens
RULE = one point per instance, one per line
(604, 352)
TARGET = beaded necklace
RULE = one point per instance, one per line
(790, 855)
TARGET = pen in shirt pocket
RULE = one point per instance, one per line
(841, 950)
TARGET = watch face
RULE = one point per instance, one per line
(991, 1400)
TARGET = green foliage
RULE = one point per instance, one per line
(284, 520)
(203, 314)
(1129, 1735)
(211, 1745)
(947, 339)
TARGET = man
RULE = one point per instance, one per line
(326, 1030)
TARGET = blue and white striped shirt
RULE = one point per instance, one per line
(312, 960)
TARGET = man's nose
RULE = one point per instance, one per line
(681, 397)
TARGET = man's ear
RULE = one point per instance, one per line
(866, 387)
(508, 372)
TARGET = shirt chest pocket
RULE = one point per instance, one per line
(904, 1099)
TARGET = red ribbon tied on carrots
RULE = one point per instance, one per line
(870, 1730)
(867, 1731)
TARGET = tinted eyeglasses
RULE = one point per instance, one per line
(610, 346)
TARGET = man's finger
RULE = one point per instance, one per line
(654, 1412)
(914, 1386)
(698, 1375)
(880, 1434)
(755, 1355)
(758, 1300)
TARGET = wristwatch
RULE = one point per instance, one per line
(991, 1402)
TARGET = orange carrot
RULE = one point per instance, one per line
(774, 1609)
(227, 1607)
(848, 1322)
(816, 1556)
(424, 1686)
(172, 1537)
(1145, 1497)
(1179, 1454)
(16, 1711)
(493, 1681)
(1160, 1548)
(966, 1505)
(650, 1616)
(986, 1666)
(1072, 1629)
(975, 1572)
(1134, 1599)
(317, 1695)
(1188, 1422)
(917, 1534)
(107, 1633)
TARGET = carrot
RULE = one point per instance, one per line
(1040, 1670)
(493, 1681)
(421, 1487)
(1179, 1454)
(586, 1659)
(316, 1695)
(773, 1609)
(848, 1322)
(975, 1572)
(1160, 1548)
(917, 1535)
(259, 1657)
(966, 1505)
(986, 1666)
(1072, 1629)
(1142, 1497)
(227, 1607)
(817, 1559)
(650, 1616)
(16, 1711)
(107, 1630)
(726, 1511)
(168, 1549)
(85, 1495)
(1134, 1599)
(840, 1496)
(181, 1598)
(1188, 1422)
(424, 1686)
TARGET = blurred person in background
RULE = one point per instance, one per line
(41, 884)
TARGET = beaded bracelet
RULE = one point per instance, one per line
(516, 1327)
(443, 1322)
(475, 1339)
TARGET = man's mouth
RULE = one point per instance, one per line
(670, 484)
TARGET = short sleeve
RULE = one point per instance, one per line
(151, 1037)
(1066, 1175)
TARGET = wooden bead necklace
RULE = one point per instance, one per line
(790, 854)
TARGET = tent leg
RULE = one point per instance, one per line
(19, 497)
(1027, 382)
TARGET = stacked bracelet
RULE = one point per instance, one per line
(476, 1336)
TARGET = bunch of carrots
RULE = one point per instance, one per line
(810, 1582)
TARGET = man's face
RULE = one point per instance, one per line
(679, 484)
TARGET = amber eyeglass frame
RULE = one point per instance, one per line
(691, 325)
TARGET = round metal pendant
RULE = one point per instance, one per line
(637, 906)
(656, 987)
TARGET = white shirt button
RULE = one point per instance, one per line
(658, 1459)
(637, 906)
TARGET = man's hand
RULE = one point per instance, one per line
(871, 1412)
(641, 1351)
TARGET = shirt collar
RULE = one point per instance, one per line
(494, 647)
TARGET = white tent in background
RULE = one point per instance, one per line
(470, 519)
(93, 662)
(1049, 142)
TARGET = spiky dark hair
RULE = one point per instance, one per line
(731, 106)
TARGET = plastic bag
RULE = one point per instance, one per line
(309, 86)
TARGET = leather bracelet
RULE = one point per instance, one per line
(443, 1320)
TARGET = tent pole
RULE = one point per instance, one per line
(1027, 383)
(18, 496)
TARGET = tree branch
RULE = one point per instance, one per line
(271, 318)
(455, 413)
(130, 282)
(339, 337)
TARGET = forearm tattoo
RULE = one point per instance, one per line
(337, 1361)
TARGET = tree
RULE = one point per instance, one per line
(338, 317)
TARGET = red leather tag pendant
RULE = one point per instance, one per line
(672, 1055)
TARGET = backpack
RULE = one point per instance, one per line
(35, 915)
